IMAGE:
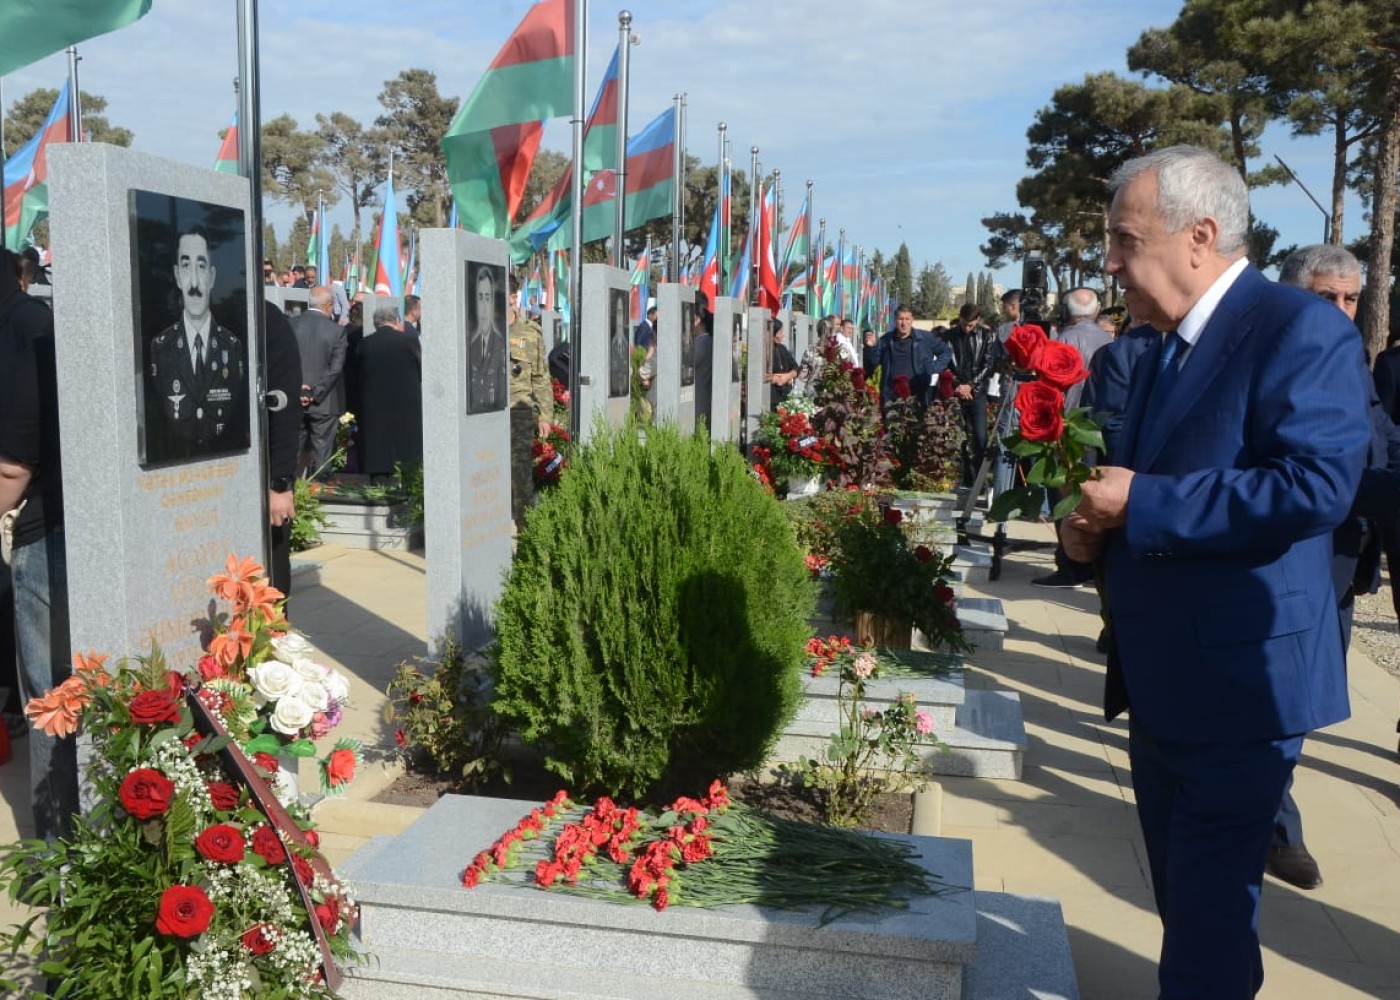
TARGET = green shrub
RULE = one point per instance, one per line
(655, 617)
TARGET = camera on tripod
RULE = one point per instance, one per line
(1033, 288)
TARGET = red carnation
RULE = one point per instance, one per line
(328, 913)
(305, 873)
(221, 843)
(1061, 364)
(185, 911)
(1025, 344)
(151, 707)
(858, 379)
(146, 793)
(223, 795)
(901, 387)
(268, 846)
(260, 939)
(1042, 411)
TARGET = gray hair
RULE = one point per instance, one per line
(1305, 263)
(386, 316)
(320, 298)
(1194, 184)
(1082, 303)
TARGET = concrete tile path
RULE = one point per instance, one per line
(1067, 830)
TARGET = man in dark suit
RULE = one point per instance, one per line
(916, 354)
(1241, 450)
(322, 345)
(195, 386)
(391, 397)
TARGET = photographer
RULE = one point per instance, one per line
(977, 352)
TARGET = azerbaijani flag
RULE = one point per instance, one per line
(709, 273)
(739, 287)
(26, 174)
(599, 153)
(387, 276)
(409, 284)
(227, 160)
(313, 245)
(30, 31)
(799, 245)
(769, 294)
(641, 284)
(491, 143)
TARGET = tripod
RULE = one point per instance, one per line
(992, 453)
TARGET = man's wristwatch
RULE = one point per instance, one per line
(282, 484)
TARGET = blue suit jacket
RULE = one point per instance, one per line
(931, 355)
(1219, 585)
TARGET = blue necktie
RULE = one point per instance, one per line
(1167, 370)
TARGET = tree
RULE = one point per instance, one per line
(987, 300)
(969, 292)
(934, 294)
(294, 250)
(271, 250)
(415, 119)
(901, 276)
(26, 116)
(293, 166)
(355, 157)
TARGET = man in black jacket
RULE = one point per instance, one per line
(976, 354)
(283, 379)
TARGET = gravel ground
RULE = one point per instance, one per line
(1374, 629)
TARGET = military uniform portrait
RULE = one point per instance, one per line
(736, 349)
(486, 337)
(191, 328)
(687, 343)
(619, 343)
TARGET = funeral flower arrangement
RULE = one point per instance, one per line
(789, 448)
(188, 878)
(703, 852)
(1055, 441)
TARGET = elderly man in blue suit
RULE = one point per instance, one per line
(1241, 450)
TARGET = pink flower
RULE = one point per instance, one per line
(864, 665)
(923, 722)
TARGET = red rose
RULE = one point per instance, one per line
(1025, 344)
(222, 844)
(893, 515)
(1042, 411)
(185, 911)
(328, 913)
(400, 737)
(260, 939)
(174, 683)
(210, 668)
(340, 767)
(146, 793)
(923, 553)
(223, 795)
(901, 387)
(305, 873)
(947, 384)
(312, 837)
(265, 761)
(1060, 364)
(858, 380)
(268, 846)
(944, 594)
(151, 707)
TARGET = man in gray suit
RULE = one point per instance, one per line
(321, 343)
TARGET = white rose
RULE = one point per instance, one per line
(291, 716)
(275, 680)
(315, 696)
(337, 687)
(291, 646)
(308, 670)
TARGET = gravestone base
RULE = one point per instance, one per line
(370, 526)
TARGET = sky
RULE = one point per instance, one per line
(909, 115)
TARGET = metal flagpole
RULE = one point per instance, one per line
(721, 251)
(75, 102)
(673, 272)
(680, 179)
(841, 275)
(754, 194)
(819, 268)
(624, 63)
(576, 193)
(811, 245)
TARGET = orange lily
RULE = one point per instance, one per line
(233, 584)
(227, 647)
(56, 713)
(91, 667)
(263, 598)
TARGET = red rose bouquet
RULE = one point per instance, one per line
(206, 884)
(1054, 440)
(788, 447)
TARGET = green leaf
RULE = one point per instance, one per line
(1070, 501)
(301, 748)
(1089, 437)
(1036, 475)
(1010, 503)
(1023, 448)
(266, 743)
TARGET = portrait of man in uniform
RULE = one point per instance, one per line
(192, 385)
(486, 337)
(619, 350)
(687, 343)
(736, 349)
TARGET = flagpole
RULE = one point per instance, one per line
(721, 251)
(677, 187)
(754, 195)
(777, 208)
(576, 192)
(811, 245)
(624, 64)
(75, 102)
(3, 158)
(819, 271)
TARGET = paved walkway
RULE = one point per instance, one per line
(1066, 830)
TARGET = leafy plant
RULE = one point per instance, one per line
(443, 715)
(309, 519)
(848, 420)
(872, 751)
(654, 617)
(925, 442)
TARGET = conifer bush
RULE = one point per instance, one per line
(654, 621)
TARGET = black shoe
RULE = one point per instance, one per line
(1293, 864)
(1060, 578)
(1101, 643)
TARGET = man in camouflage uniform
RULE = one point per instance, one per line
(531, 405)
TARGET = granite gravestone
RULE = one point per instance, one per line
(799, 327)
(757, 398)
(550, 321)
(466, 457)
(725, 395)
(158, 383)
(605, 345)
(675, 355)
